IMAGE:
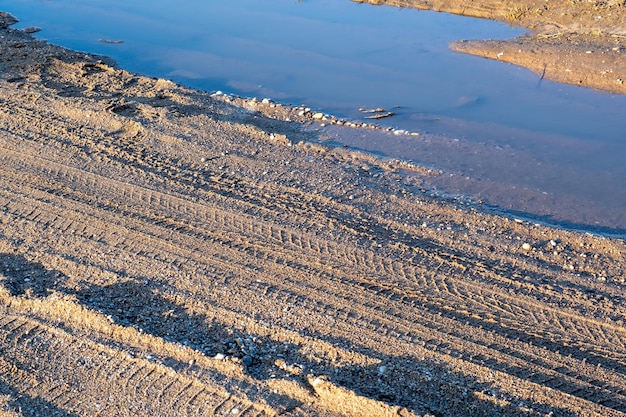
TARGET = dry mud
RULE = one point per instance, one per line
(163, 252)
(581, 42)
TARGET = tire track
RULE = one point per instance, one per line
(156, 389)
(67, 226)
(240, 228)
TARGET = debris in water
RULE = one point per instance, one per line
(111, 41)
(381, 115)
(376, 110)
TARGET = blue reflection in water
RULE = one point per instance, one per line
(331, 54)
(338, 55)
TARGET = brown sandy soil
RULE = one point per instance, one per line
(580, 42)
(165, 253)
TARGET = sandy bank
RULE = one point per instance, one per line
(575, 42)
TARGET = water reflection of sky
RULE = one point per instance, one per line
(325, 51)
(338, 55)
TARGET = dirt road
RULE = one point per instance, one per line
(163, 252)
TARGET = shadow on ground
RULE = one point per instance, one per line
(27, 406)
(421, 385)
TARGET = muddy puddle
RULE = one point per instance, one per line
(498, 133)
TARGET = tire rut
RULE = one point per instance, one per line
(148, 385)
(390, 293)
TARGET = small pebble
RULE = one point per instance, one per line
(526, 247)
(219, 356)
(247, 360)
(317, 381)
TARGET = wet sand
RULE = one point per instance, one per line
(168, 252)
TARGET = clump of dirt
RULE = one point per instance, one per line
(7, 20)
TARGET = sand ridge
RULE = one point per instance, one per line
(165, 252)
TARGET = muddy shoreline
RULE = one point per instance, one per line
(557, 185)
(576, 42)
(168, 252)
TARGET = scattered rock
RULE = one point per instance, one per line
(247, 360)
(280, 138)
